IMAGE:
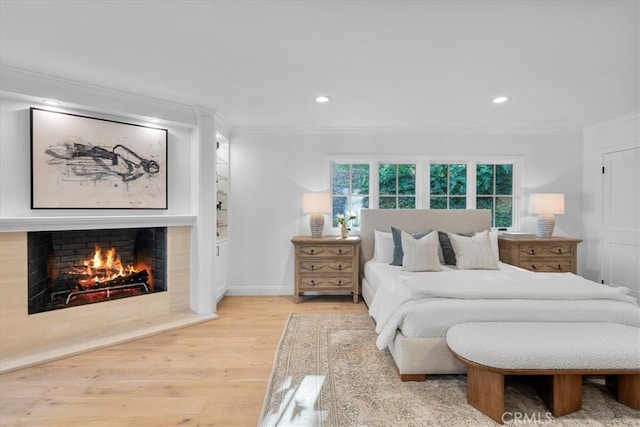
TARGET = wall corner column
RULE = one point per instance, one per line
(203, 292)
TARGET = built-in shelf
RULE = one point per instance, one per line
(222, 189)
(223, 230)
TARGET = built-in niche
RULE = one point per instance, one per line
(69, 268)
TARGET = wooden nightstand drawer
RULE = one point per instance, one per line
(545, 250)
(329, 266)
(549, 266)
(326, 251)
(313, 283)
(550, 255)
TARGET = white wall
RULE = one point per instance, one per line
(271, 170)
(599, 139)
(15, 161)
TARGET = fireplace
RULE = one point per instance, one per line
(77, 267)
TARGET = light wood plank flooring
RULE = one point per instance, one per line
(210, 374)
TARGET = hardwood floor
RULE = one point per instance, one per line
(210, 374)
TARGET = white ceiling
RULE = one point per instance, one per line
(385, 64)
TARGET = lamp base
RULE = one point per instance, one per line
(316, 222)
(545, 223)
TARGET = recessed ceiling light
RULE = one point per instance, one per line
(500, 99)
(153, 120)
(50, 102)
(322, 99)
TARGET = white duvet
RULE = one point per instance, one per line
(427, 304)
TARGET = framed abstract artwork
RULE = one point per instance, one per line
(80, 162)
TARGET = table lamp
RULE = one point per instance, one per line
(316, 204)
(546, 205)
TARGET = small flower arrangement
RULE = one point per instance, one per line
(342, 218)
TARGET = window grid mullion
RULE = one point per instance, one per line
(472, 168)
(423, 177)
(397, 184)
(374, 185)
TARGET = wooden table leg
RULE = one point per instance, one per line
(629, 390)
(563, 393)
(485, 392)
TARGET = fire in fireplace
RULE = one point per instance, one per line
(71, 268)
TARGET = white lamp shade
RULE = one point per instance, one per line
(315, 203)
(546, 203)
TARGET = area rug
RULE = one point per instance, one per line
(328, 372)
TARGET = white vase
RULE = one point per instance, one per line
(344, 231)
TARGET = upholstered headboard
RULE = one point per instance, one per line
(416, 220)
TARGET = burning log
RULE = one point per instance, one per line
(104, 272)
(134, 278)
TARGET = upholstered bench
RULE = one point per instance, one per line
(559, 352)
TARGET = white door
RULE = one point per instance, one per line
(621, 234)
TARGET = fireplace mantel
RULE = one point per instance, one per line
(54, 223)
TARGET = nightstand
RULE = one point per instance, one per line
(327, 264)
(553, 254)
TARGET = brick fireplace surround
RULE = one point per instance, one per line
(26, 340)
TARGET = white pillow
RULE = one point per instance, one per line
(493, 236)
(420, 254)
(474, 252)
(382, 246)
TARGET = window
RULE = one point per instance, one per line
(396, 186)
(422, 182)
(349, 190)
(450, 189)
(494, 191)
(448, 186)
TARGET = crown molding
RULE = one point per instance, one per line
(94, 97)
(511, 130)
(631, 117)
(201, 110)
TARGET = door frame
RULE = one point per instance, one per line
(604, 250)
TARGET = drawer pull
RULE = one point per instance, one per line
(339, 282)
(340, 251)
(533, 266)
(560, 250)
(339, 266)
(313, 267)
(313, 282)
(559, 267)
(312, 251)
(533, 251)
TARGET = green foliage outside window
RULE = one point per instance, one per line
(349, 190)
(448, 185)
(494, 190)
(397, 186)
(447, 182)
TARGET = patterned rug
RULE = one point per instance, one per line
(328, 372)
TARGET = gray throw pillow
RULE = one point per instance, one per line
(447, 249)
(396, 234)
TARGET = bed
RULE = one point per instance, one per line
(413, 310)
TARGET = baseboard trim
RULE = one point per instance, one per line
(259, 290)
